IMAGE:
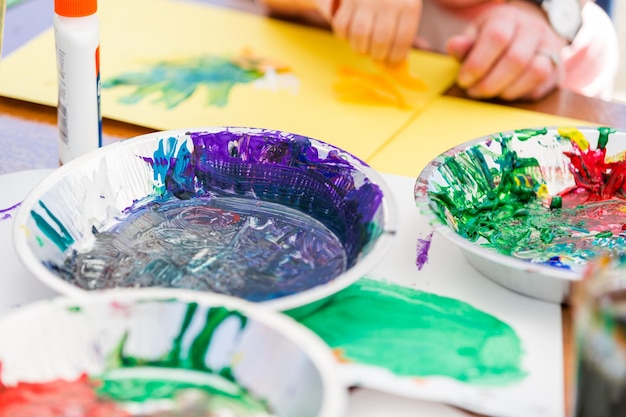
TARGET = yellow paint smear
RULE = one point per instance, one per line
(387, 86)
(575, 135)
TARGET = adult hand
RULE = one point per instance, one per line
(509, 52)
(383, 29)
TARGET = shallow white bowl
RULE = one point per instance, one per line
(293, 178)
(184, 344)
(454, 190)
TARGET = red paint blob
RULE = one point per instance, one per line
(596, 179)
(57, 398)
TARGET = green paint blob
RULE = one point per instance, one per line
(556, 202)
(417, 334)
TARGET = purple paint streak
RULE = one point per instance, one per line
(423, 246)
(7, 213)
(275, 167)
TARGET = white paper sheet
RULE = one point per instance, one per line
(447, 273)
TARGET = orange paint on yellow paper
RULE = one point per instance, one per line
(388, 86)
(402, 75)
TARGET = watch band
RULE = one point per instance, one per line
(564, 16)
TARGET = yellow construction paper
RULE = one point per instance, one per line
(448, 122)
(135, 34)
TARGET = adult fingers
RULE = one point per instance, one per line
(538, 78)
(509, 67)
(458, 46)
(492, 40)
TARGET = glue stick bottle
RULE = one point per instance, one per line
(77, 39)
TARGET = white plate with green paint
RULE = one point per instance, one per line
(157, 352)
(530, 208)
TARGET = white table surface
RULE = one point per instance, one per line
(19, 287)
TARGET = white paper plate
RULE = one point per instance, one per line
(298, 180)
(150, 349)
(540, 247)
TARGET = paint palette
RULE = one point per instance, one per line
(158, 352)
(530, 208)
(267, 216)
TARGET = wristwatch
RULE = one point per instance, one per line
(565, 16)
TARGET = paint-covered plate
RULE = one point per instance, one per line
(158, 352)
(530, 208)
(267, 216)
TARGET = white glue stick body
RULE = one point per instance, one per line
(77, 39)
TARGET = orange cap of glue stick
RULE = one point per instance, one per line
(75, 8)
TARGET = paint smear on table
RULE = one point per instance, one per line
(511, 209)
(252, 215)
(416, 334)
(8, 212)
(423, 246)
(134, 386)
(171, 82)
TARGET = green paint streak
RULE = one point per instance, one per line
(120, 383)
(201, 344)
(525, 134)
(475, 199)
(603, 137)
(62, 238)
(416, 334)
(236, 400)
(177, 357)
(173, 82)
(174, 359)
